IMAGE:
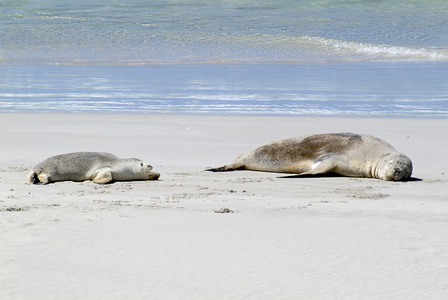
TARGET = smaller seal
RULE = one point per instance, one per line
(346, 154)
(99, 167)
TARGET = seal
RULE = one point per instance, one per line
(96, 166)
(346, 154)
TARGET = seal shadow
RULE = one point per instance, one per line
(329, 175)
(414, 179)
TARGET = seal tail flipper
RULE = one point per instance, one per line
(226, 168)
(33, 178)
(38, 179)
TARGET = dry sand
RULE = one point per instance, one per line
(201, 235)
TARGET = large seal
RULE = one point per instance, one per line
(345, 154)
(97, 166)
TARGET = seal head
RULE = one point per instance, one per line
(394, 167)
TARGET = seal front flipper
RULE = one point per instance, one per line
(322, 165)
(103, 176)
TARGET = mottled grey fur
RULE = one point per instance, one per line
(97, 166)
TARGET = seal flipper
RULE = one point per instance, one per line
(226, 168)
(33, 178)
(322, 165)
(38, 179)
(102, 176)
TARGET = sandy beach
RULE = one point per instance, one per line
(237, 235)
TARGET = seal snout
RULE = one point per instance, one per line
(399, 174)
(399, 168)
(154, 176)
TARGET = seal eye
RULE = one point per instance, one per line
(141, 164)
(397, 171)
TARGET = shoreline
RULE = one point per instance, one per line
(194, 234)
(218, 115)
(382, 89)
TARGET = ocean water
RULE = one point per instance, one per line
(324, 57)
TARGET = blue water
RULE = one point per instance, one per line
(322, 57)
(383, 89)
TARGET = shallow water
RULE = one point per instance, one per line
(322, 57)
(348, 89)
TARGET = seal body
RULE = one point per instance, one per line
(346, 154)
(96, 166)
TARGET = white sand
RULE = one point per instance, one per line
(301, 238)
